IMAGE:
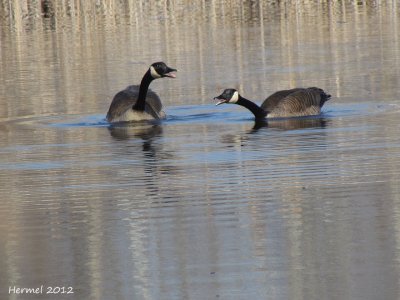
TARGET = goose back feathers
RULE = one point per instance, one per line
(295, 102)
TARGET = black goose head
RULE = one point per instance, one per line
(228, 96)
(321, 92)
(160, 70)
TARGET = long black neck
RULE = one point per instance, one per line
(257, 111)
(144, 87)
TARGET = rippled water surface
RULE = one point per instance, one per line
(203, 205)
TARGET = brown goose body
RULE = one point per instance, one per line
(295, 102)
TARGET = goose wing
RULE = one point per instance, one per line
(154, 105)
(270, 103)
(123, 101)
(303, 102)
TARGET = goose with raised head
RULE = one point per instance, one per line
(296, 102)
(138, 102)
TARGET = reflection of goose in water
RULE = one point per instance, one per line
(141, 141)
(263, 132)
(280, 124)
(291, 124)
(144, 131)
(282, 104)
(137, 103)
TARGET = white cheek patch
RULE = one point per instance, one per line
(235, 97)
(154, 73)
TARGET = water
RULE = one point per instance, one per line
(203, 205)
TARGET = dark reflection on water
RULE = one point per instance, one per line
(143, 131)
(207, 204)
(291, 124)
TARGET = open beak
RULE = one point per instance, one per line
(171, 73)
(220, 100)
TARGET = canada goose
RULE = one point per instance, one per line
(286, 103)
(137, 103)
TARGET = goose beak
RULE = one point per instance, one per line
(171, 73)
(219, 101)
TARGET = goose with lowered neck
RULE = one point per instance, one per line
(138, 103)
(295, 102)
